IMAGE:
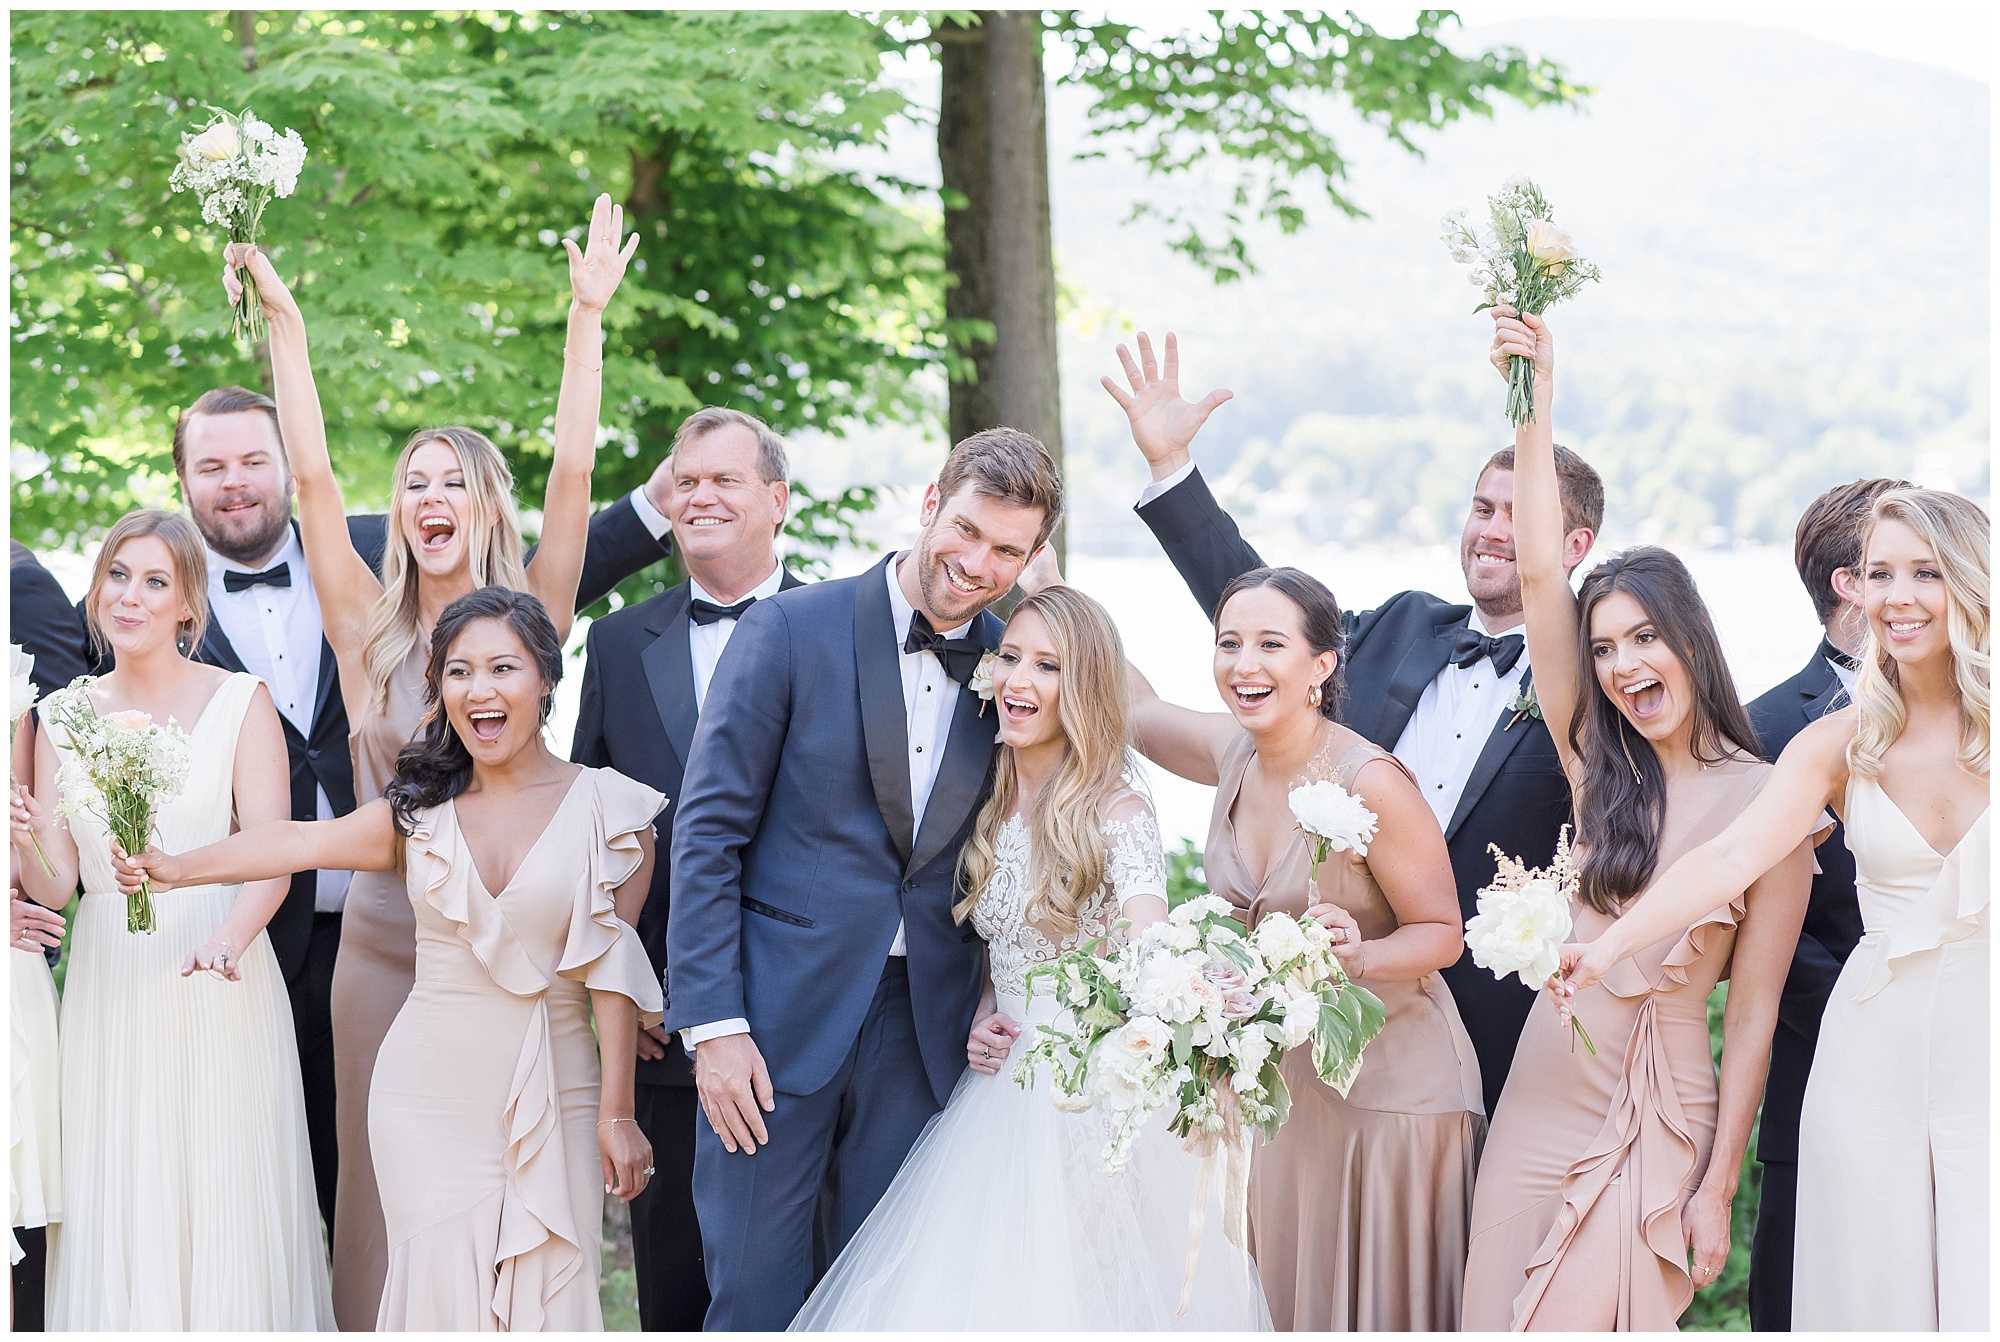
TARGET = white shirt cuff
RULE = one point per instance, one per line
(695, 1034)
(650, 517)
(1159, 487)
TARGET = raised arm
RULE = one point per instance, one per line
(1198, 536)
(362, 840)
(594, 273)
(348, 588)
(1539, 534)
(1810, 776)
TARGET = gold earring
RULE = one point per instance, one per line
(1313, 699)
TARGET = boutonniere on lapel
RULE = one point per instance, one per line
(1525, 705)
(981, 683)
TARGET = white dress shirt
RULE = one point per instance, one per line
(1845, 677)
(706, 641)
(277, 634)
(1457, 713)
(930, 697)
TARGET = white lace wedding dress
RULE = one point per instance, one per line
(1001, 1217)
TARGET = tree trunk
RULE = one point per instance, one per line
(246, 37)
(1006, 218)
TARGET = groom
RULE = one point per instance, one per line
(1437, 683)
(812, 960)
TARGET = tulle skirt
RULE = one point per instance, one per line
(1002, 1218)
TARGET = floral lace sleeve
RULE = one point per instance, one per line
(1134, 864)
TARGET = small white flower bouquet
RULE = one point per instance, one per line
(1523, 921)
(236, 165)
(1334, 821)
(1197, 1012)
(1526, 262)
(20, 700)
(123, 767)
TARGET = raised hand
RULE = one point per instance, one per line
(595, 271)
(271, 290)
(1041, 572)
(1526, 336)
(160, 869)
(1163, 422)
(30, 927)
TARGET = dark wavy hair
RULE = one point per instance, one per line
(435, 766)
(1621, 806)
(1320, 620)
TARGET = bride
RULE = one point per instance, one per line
(1001, 1218)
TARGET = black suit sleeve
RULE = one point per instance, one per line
(43, 620)
(369, 534)
(588, 747)
(619, 546)
(1200, 538)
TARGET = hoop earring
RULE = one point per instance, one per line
(1314, 698)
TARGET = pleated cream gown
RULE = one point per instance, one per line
(187, 1178)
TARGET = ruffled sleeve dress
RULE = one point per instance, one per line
(483, 1114)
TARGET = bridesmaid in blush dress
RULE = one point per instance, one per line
(1358, 1209)
(1893, 1224)
(496, 1129)
(1605, 1173)
(453, 527)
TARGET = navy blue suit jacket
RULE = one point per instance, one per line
(1832, 925)
(794, 851)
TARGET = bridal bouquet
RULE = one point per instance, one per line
(1526, 262)
(20, 699)
(1197, 1012)
(122, 767)
(1523, 921)
(236, 165)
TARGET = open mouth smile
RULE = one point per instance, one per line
(1643, 698)
(1252, 696)
(437, 530)
(488, 723)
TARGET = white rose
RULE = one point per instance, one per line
(981, 682)
(1333, 813)
(218, 142)
(1279, 939)
(1548, 243)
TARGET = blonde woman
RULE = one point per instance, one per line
(186, 1176)
(452, 528)
(1892, 1210)
(1001, 1217)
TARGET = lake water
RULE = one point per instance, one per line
(1765, 621)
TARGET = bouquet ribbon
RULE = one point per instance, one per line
(1229, 1149)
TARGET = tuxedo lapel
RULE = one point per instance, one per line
(217, 650)
(1500, 742)
(1421, 662)
(884, 720)
(669, 666)
(1829, 697)
(962, 773)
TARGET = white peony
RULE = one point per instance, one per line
(1279, 939)
(1520, 931)
(1172, 987)
(1329, 811)
(217, 143)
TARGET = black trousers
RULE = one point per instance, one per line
(666, 1238)
(1771, 1248)
(31, 1279)
(312, 1021)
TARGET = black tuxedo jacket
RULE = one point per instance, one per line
(637, 716)
(42, 619)
(1832, 926)
(619, 546)
(1516, 797)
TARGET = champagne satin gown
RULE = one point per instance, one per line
(371, 977)
(484, 1109)
(1358, 1210)
(187, 1182)
(1576, 1222)
(1893, 1217)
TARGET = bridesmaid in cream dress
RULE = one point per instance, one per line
(1606, 1173)
(1893, 1225)
(187, 1188)
(1358, 1209)
(495, 1135)
(453, 527)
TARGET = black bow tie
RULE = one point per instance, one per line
(1846, 660)
(1469, 645)
(960, 656)
(707, 612)
(278, 575)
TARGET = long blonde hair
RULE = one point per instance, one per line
(1958, 534)
(1065, 844)
(492, 530)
